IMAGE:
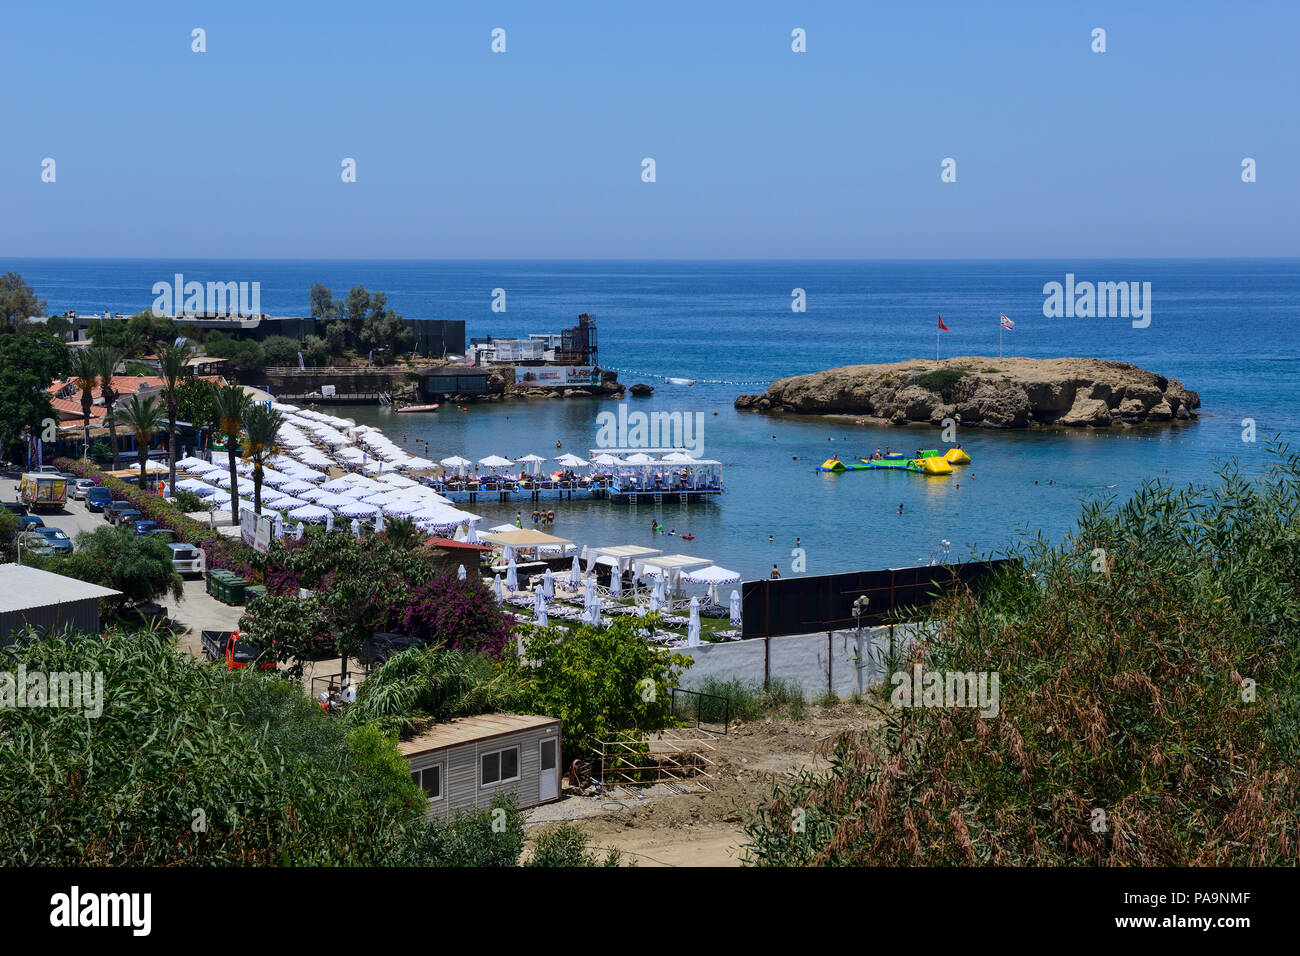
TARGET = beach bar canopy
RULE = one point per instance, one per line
(526, 538)
(621, 556)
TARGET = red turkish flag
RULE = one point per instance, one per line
(942, 326)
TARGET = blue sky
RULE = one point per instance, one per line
(760, 152)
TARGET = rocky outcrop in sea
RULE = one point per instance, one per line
(986, 393)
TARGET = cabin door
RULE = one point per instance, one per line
(548, 787)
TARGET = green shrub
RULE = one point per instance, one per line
(598, 680)
(189, 502)
(190, 764)
(941, 381)
(566, 846)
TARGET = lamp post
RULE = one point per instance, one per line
(860, 605)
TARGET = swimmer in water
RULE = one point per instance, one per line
(900, 508)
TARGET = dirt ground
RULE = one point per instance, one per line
(664, 828)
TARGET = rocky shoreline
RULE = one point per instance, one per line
(986, 393)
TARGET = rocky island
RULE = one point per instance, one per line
(986, 393)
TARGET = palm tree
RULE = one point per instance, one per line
(174, 362)
(85, 372)
(261, 423)
(231, 405)
(106, 362)
(401, 533)
(142, 419)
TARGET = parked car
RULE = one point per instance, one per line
(126, 517)
(48, 470)
(58, 539)
(144, 527)
(377, 649)
(186, 558)
(98, 498)
(113, 508)
(34, 543)
(17, 507)
(166, 535)
(29, 523)
(80, 487)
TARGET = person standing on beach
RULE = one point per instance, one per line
(519, 519)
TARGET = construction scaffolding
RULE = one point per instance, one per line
(683, 760)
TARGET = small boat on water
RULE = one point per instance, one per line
(418, 408)
(680, 381)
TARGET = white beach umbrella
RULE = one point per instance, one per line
(329, 521)
(357, 509)
(494, 461)
(593, 604)
(356, 528)
(313, 513)
(460, 572)
(693, 630)
(301, 528)
(735, 608)
(496, 588)
(455, 461)
(379, 522)
(337, 485)
(548, 584)
(657, 597)
(299, 488)
(575, 574)
(193, 484)
(572, 461)
(534, 460)
(539, 608)
(512, 575)
(591, 559)
(615, 583)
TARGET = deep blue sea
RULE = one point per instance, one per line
(1225, 328)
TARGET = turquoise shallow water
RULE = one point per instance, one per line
(1225, 328)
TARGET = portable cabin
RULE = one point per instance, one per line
(463, 763)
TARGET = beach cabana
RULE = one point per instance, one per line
(670, 568)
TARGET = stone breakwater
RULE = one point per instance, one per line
(986, 393)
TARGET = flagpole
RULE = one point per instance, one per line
(1000, 327)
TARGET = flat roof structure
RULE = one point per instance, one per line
(465, 730)
(25, 589)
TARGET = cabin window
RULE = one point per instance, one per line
(500, 766)
(429, 779)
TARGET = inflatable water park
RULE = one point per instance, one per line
(927, 462)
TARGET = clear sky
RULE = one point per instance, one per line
(760, 152)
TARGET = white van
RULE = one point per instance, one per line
(187, 559)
